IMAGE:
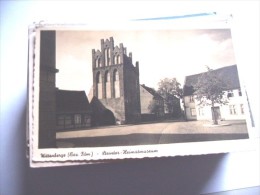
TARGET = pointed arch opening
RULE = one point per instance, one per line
(99, 86)
(107, 56)
(98, 62)
(117, 59)
(116, 84)
(107, 85)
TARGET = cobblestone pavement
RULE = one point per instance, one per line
(153, 133)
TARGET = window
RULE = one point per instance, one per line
(60, 121)
(68, 121)
(87, 119)
(77, 119)
(98, 62)
(242, 109)
(191, 98)
(98, 78)
(230, 94)
(201, 111)
(239, 92)
(116, 84)
(193, 112)
(117, 59)
(107, 77)
(107, 57)
(98, 86)
(64, 121)
(232, 109)
(107, 85)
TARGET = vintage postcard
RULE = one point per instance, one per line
(106, 94)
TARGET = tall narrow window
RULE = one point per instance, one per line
(116, 84)
(87, 119)
(107, 57)
(61, 121)
(107, 85)
(118, 59)
(99, 86)
(98, 62)
(68, 122)
(232, 109)
(239, 92)
(77, 119)
(191, 98)
(242, 109)
(115, 59)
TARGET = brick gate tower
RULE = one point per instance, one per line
(115, 85)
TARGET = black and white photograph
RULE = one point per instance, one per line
(103, 89)
(129, 97)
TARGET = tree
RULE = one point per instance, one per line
(210, 90)
(155, 107)
(171, 91)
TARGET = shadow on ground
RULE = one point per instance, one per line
(145, 139)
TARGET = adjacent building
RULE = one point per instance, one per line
(73, 110)
(152, 103)
(233, 110)
(47, 97)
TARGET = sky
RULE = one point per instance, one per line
(160, 53)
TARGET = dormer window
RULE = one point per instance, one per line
(230, 94)
(239, 92)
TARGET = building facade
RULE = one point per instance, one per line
(47, 97)
(115, 84)
(73, 110)
(151, 102)
(233, 110)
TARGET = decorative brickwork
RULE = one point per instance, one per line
(116, 81)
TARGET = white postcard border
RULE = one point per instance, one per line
(71, 156)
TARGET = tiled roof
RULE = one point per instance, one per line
(152, 91)
(97, 105)
(228, 74)
(71, 101)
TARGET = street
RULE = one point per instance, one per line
(153, 133)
